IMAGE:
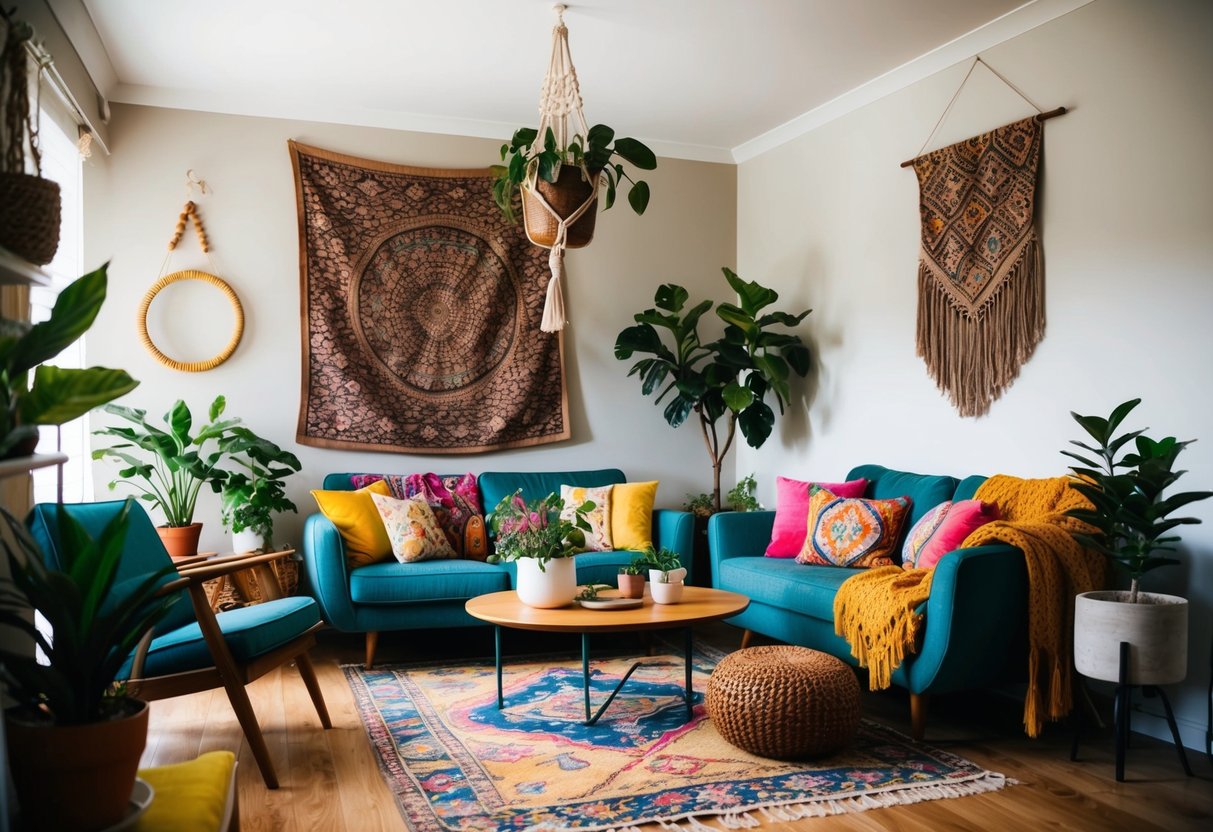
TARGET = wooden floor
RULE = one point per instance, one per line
(331, 782)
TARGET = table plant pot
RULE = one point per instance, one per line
(1156, 628)
(662, 576)
(180, 541)
(631, 586)
(550, 587)
(74, 778)
(669, 592)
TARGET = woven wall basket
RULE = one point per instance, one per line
(29, 216)
(565, 195)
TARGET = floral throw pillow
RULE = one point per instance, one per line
(455, 501)
(851, 531)
(598, 538)
(412, 529)
(943, 529)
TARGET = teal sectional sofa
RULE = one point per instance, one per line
(431, 594)
(976, 618)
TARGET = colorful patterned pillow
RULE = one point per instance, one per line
(412, 529)
(943, 529)
(363, 480)
(852, 532)
(454, 501)
(598, 538)
(792, 508)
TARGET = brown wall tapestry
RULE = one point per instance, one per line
(421, 310)
(981, 305)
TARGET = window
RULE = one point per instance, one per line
(62, 163)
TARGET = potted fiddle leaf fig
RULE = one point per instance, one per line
(168, 466)
(726, 380)
(75, 736)
(565, 177)
(256, 491)
(54, 395)
(1130, 521)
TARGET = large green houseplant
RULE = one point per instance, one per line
(54, 395)
(256, 491)
(1131, 522)
(724, 380)
(69, 709)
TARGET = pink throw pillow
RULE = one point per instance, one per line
(943, 529)
(792, 512)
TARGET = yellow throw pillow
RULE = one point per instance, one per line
(355, 516)
(632, 515)
(412, 529)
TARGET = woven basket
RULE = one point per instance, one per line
(286, 570)
(565, 195)
(29, 216)
(784, 702)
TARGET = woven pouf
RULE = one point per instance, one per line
(784, 702)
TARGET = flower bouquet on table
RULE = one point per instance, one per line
(543, 544)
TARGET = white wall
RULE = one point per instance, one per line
(133, 200)
(1126, 215)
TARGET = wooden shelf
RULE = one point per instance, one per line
(24, 464)
(16, 271)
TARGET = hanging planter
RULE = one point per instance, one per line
(559, 168)
(29, 204)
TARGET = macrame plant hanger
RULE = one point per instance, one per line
(559, 101)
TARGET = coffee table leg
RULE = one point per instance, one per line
(497, 655)
(688, 647)
(585, 681)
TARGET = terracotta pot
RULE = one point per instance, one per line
(1156, 628)
(74, 778)
(29, 216)
(631, 586)
(550, 588)
(565, 195)
(181, 541)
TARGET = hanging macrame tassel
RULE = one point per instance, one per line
(553, 305)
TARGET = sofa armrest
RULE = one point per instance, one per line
(329, 577)
(734, 534)
(675, 530)
(975, 619)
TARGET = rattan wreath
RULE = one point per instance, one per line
(191, 366)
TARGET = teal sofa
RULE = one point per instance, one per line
(431, 594)
(976, 618)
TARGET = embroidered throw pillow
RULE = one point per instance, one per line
(454, 501)
(792, 510)
(412, 529)
(363, 480)
(852, 532)
(943, 529)
(356, 518)
(632, 515)
(598, 538)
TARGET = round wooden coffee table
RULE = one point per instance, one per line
(503, 609)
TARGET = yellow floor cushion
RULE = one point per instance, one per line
(197, 796)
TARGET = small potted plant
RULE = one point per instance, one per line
(542, 544)
(666, 575)
(741, 496)
(253, 495)
(168, 466)
(565, 178)
(1130, 522)
(631, 577)
(74, 735)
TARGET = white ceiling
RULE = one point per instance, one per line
(717, 80)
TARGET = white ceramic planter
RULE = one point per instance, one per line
(676, 575)
(247, 540)
(667, 593)
(549, 589)
(1156, 628)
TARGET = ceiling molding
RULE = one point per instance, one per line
(1010, 25)
(78, 25)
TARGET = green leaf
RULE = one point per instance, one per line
(523, 137)
(58, 395)
(636, 153)
(756, 423)
(1119, 414)
(671, 297)
(753, 296)
(737, 398)
(638, 196)
(74, 311)
(610, 195)
(739, 318)
(798, 358)
(599, 137)
(677, 410)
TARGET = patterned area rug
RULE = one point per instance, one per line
(455, 762)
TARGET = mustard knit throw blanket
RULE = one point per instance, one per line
(874, 611)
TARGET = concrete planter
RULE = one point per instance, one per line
(1156, 628)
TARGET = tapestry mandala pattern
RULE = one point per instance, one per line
(421, 313)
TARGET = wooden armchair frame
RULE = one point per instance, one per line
(227, 672)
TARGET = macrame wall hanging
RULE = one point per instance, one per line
(981, 304)
(190, 211)
(549, 226)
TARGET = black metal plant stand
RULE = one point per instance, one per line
(1121, 714)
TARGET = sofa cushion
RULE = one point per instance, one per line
(924, 490)
(632, 515)
(943, 529)
(355, 516)
(430, 580)
(856, 533)
(535, 485)
(598, 536)
(412, 529)
(784, 583)
(792, 512)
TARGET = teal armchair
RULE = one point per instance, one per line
(193, 649)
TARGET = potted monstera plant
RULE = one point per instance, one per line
(1125, 476)
(74, 736)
